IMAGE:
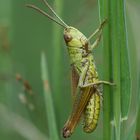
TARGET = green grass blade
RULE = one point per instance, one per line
(115, 38)
(57, 49)
(107, 71)
(116, 33)
(53, 133)
(57, 59)
(125, 64)
(108, 9)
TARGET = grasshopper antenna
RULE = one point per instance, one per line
(45, 14)
(47, 4)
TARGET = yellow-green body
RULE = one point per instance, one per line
(82, 61)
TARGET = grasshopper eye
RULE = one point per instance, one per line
(67, 38)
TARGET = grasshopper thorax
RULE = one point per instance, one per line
(74, 38)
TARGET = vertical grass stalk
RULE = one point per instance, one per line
(115, 53)
(104, 13)
(125, 63)
(57, 56)
(53, 133)
(57, 50)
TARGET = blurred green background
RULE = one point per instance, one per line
(24, 35)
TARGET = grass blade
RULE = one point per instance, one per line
(57, 51)
(57, 61)
(115, 39)
(53, 133)
(104, 13)
(125, 65)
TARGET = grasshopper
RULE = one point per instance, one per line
(85, 81)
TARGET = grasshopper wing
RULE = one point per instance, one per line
(74, 81)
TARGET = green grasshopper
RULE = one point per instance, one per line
(85, 81)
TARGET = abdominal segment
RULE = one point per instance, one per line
(92, 111)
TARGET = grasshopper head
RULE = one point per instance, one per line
(73, 37)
